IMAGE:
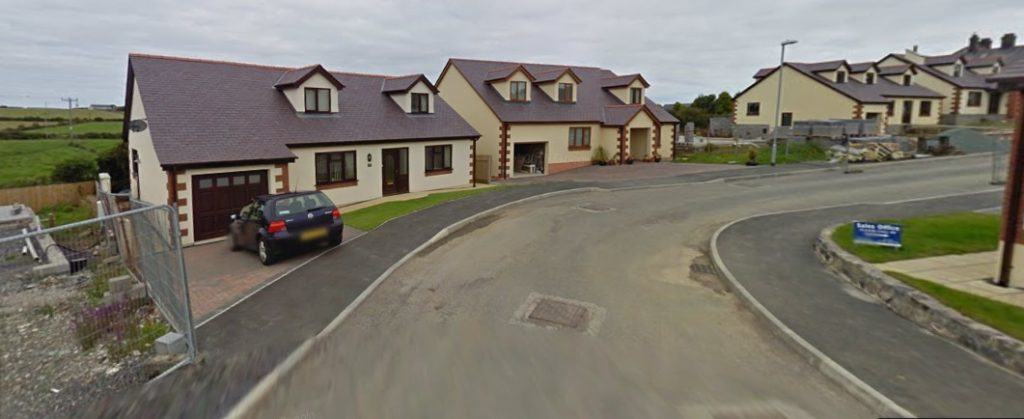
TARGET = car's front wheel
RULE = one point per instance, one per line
(266, 257)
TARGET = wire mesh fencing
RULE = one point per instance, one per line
(82, 307)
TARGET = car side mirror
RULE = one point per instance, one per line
(234, 217)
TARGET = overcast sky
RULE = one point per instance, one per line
(78, 48)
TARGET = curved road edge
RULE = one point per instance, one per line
(849, 382)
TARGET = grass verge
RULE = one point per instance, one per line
(798, 152)
(370, 217)
(65, 213)
(1004, 317)
(30, 162)
(937, 235)
(108, 127)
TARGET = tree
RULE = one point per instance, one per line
(722, 105)
(705, 103)
(115, 163)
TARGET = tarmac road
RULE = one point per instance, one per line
(444, 336)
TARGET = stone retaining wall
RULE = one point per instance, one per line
(919, 307)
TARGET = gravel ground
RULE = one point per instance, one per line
(43, 370)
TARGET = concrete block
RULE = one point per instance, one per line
(120, 284)
(171, 343)
(137, 291)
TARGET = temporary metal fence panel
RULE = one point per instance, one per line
(82, 304)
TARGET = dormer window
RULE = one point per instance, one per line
(869, 78)
(840, 77)
(420, 103)
(907, 79)
(958, 70)
(517, 91)
(318, 100)
(636, 95)
(565, 92)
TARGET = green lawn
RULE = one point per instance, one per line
(65, 214)
(1001, 316)
(58, 113)
(370, 217)
(82, 128)
(30, 162)
(739, 155)
(936, 235)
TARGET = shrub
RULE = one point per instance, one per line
(599, 154)
(115, 163)
(751, 155)
(77, 169)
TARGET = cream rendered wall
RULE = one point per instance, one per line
(984, 70)
(457, 92)
(938, 86)
(151, 184)
(503, 86)
(945, 68)
(981, 109)
(404, 100)
(557, 137)
(666, 140)
(551, 89)
(805, 97)
(898, 78)
(297, 96)
(862, 77)
(302, 172)
(890, 61)
(623, 92)
(915, 118)
(609, 140)
(186, 194)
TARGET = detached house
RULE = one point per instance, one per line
(838, 90)
(209, 136)
(907, 88)
(540, 118)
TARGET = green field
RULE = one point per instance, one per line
(1001, 316)
(6, 125)
(370, 217)
(113, 127)
(30, 162)
(57, 113)
(739, 155)
(937, 235)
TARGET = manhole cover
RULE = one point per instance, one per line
(702, 268)
(551, 312)
(559, 313)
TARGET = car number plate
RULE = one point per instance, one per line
(313, 234)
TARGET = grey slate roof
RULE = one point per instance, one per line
(881, 92)
(210, 112)
(404, 83)
(890, 70)
(861, 67)
(592, 97)
(968, 79)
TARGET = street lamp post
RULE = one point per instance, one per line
(778, 98)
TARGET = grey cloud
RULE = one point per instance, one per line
(60, 48)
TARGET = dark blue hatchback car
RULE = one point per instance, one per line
(275, 225)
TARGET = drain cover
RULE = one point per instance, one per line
(593, 208)
(559, 313)
(702, 268)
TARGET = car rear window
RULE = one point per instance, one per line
(300, 204)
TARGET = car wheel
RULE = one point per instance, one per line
(266, 257)
(334, 241)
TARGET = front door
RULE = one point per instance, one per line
(908, 110)
(395, 167)
(993, 103)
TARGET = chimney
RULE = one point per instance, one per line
(1009, 40)
(986, 43)
(972, 42)
(915, 48)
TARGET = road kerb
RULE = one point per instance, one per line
(843, 377)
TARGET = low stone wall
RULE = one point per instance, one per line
(919, 307)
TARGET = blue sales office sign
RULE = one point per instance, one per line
(878, 234)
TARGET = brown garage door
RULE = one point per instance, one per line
(216, 197)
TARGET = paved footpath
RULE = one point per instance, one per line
(772, 257)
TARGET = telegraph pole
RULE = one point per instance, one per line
(72, 102)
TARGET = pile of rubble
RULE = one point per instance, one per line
(871, 151)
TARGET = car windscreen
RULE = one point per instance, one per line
(300, 204)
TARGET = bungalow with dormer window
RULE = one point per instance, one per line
(208, 136)
(543, 118)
